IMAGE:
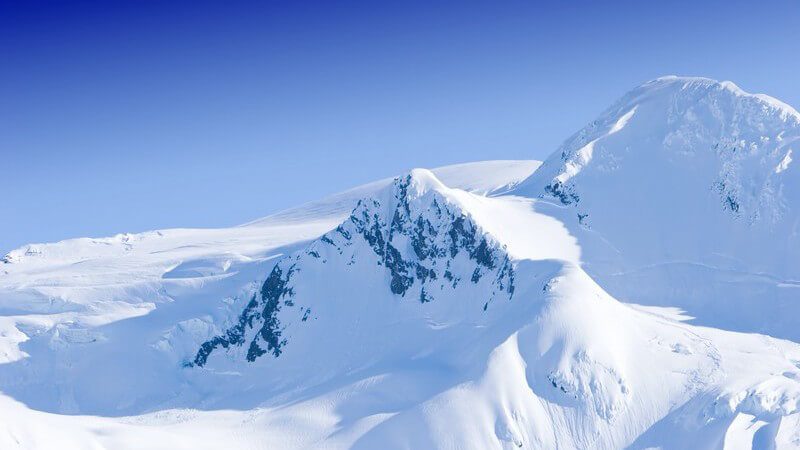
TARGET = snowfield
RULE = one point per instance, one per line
(638, 290)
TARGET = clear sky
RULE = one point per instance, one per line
(128, 116)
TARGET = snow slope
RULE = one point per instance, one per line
(609, 300)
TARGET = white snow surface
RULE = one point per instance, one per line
(688, 184)
(638, 290)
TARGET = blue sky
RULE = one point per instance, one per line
(127, 117)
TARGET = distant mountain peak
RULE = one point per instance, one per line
(698, 86)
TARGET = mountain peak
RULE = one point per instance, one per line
(692, 122)
(423, 180)
(703, 89)
(414, 242)
(414, 185)
(701, 150)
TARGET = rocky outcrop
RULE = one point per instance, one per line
(425, 242)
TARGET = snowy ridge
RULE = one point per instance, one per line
(415, 232)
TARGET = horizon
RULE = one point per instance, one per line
(217, 115)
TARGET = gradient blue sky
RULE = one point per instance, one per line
(122, 117)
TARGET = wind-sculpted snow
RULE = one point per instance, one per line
(424, 241)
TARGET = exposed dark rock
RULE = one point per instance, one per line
(565, 194)
(264, 311)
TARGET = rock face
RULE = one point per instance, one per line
(423, 242)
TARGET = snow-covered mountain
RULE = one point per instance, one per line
(634, 291)
(687, 183)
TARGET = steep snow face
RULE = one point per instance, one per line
(682, 179)
(415, 243)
